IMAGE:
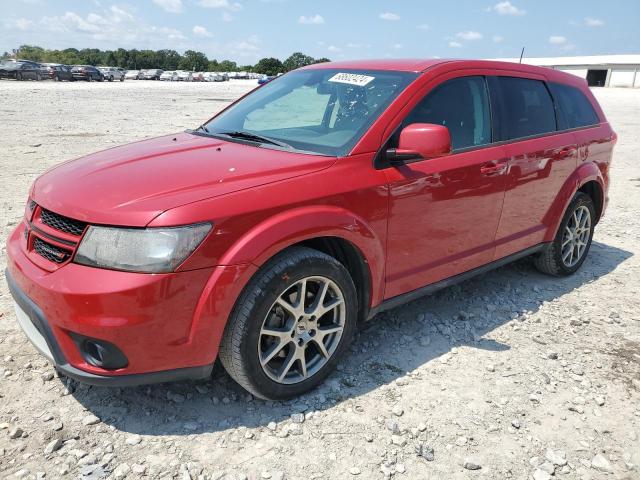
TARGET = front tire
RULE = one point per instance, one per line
(570, 247)
(292, 323)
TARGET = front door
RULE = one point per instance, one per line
(444, 211)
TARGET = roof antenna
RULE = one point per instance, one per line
(521, 54)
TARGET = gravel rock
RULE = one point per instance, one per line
(540, 474)
(471, 464)
(53, 446)
(556, 457)
(15, 432)
(398, 411)
(355, 471)
(600, 462)
(133, 439)
(121, 471)
(297, 417)
(425, 451)
(90, 420)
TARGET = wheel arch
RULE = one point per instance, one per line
(596, 192)
(354, 261)
(330, 229)
(586, 178)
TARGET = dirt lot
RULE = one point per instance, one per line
(515, 373)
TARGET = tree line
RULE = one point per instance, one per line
(164, 59)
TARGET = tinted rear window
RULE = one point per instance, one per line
(528, 108)
(574, 107)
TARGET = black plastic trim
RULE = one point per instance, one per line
(447, 282)
(62, 365)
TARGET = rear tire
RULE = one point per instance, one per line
(276, 350)
(570, 247)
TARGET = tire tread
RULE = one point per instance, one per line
(230, 352)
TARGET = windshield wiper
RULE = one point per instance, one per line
(254, 138)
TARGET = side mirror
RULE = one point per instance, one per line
(420, 141)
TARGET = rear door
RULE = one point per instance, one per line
(444, 211)
(540, 160)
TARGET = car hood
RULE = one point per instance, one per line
(132, 184)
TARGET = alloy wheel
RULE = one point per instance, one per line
(576, 236)
(302, 330)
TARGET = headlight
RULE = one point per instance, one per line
(149, 250)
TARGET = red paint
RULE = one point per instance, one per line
(413, 224)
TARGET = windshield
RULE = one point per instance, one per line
(322, 111)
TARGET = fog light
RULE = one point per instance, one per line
(100, 353)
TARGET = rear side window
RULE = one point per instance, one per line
(461, 105)
(574, 107)
(527, 108)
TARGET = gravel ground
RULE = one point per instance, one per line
(511, 375)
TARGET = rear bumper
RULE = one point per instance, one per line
(38, 330)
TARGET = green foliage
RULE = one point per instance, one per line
(228, 66)
(269, 66)
(193, 61)
(297, 60)
(165, 59)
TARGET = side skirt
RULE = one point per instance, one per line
(447, 282)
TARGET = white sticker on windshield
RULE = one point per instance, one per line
(351, 79)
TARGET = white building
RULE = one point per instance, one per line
(598, 70)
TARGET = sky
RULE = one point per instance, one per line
(247, 30)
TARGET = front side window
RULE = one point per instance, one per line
(461, 105)
(323, 111)
(527, 108)
(574, 107)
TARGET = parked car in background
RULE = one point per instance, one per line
(132, 75)
(265, 79)
(197, 76)
(211, 77)
(184, 76)
(58, 72)
(152, 74)
(22, 70)
(112, 73)
(88, 73)
(169, 76)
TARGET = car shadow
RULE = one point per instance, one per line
(386, 349)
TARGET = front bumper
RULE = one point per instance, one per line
(37, 329)
(168, 326)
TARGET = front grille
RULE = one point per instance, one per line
(64, 224)
(50, 252)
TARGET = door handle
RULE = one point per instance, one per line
(493, 168)
(566, 152)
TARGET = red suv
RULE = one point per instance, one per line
(265, 236)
